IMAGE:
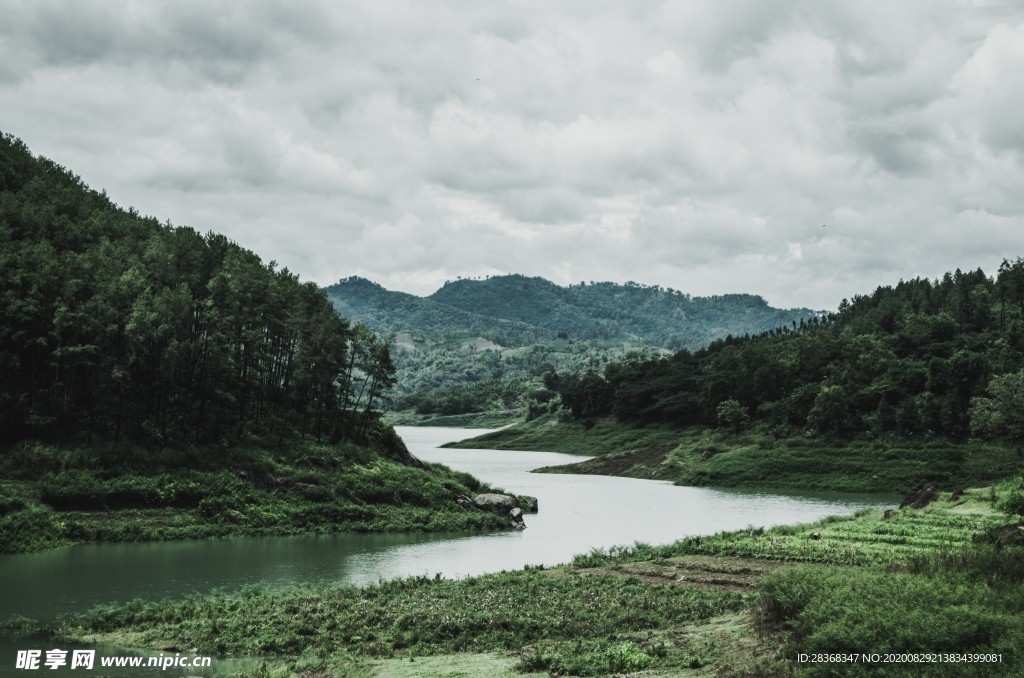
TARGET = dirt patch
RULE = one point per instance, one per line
(710, 572)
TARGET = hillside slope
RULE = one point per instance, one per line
(513, 327)
(158, 383)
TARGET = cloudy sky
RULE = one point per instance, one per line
(806, 151)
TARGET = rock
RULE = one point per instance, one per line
(465, 502)
(515, 518)
(889, 513)
(267, 481)
(1009, 535)
(927, 495)
(956, 495)
(921, 498)
(495, 502)
(531, 504)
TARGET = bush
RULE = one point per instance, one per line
(841, 610)
(29, 530)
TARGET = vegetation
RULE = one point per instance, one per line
(745, 602)
(511, 328)
(55, 496)
(921, 382)
(114, 327)
(922, 358)
(571, 622)
(159, 384)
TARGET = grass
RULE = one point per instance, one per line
(865, 539)
(757, 460)
(52, 497)
(583, 624)
(450, 666)
(737, 603)
(549, 434)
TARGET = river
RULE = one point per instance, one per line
(577, 513)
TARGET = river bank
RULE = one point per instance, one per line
(920, 580)
(577, 514)
(52, 497)
(756, 459)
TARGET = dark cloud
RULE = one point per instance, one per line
(700, 146)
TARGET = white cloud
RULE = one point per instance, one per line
(699, 146)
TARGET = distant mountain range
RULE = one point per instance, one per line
(567, 326)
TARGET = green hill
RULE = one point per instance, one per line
(160, 383)
(914, 383)
(485, 345)
(612, 313)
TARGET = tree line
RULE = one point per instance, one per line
(116, 327)
(940, 358)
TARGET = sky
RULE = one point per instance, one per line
(803, 151)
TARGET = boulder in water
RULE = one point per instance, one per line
(515, 518)
(531, 503)
(495, 502)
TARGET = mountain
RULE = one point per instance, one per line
(511, 326)
(611, 312)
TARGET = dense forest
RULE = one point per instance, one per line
(921, 358)
(455, 344)
(116, 327)
(163, 384)
(630, 313)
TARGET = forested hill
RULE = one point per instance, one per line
(158, 383)
(922, 358)
(389, 313)
(515, 309)
(115, 327)
(513, 327)
(632, 313)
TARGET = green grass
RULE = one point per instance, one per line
(926, 580)
(756, 460)
(54, 497)
(585, 625)
(450, 666)
(547, 433)
(866, 539)
(857, 610)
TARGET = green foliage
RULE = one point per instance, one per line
(30, 529)
(906, 361)
(1002, 413)
(851, 611)
(1013, 503)
(145, 496)
(509, 611)
(114, 327)
(148, 370)
(758, 459)
(863, 540)
(513, 327)
(732, 415)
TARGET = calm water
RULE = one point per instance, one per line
(577, 513)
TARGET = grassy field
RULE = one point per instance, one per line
(756, 460)
(739, 603)
(52, 496)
